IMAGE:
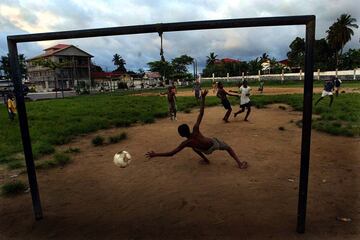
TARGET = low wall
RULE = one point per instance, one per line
(348, 75)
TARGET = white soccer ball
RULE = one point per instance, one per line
(122, 159)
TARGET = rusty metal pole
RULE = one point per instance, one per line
(24, 129)
(306, 128)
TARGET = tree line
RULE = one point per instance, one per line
(328, 54)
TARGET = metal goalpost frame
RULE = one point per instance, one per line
(307, 20)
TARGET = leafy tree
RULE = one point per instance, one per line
(264, 57)
(5, 65)
(179, 66)
(340, 33)
(96, 68)
(163, 67)
(177, 69)
(119, 62)
(323, 56)
(211, 59)
(222, 68)
(254, 66)
(296, 55)
(351, 59)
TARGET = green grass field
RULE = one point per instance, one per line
(56, 122)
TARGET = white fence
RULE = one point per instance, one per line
(349, 75)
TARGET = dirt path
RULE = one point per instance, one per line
(267, 91)
(177, 198)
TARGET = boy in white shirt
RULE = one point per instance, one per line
(244, 91)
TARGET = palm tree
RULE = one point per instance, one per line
(340, 33)
(264, 57)
(119, 62)
(211, 59)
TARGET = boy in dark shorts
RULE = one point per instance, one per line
(198, 142)
(222, 94)
(171, 98)
(328, 88)
(337, 83)
(197, 89)
(261, 86)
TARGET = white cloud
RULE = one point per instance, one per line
(17, 17)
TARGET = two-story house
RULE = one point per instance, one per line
(70, 66)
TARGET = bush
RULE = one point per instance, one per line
(98, 141)
(60, 159)
(13, 188)
(72, 150)
(42, 148)
(16, 165)
(118, 138)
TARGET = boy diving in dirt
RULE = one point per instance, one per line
(198, 142)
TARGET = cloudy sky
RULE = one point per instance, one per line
(19, 17)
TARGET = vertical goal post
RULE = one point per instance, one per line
(307, 20)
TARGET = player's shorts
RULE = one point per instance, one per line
(245, 105)
(217, 145)
(326, 93)
(172, 106)
(226, 104)
(197, 94)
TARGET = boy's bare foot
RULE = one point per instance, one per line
(243, 165)
(226, 121)
(246, 120)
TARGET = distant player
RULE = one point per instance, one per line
(337, 83)
(11, 106)
(197, 89)
(222, 94)
(261, 86)
(244, 91)
(328, 88)
(171, 98)
(214, 86)
(198, 142)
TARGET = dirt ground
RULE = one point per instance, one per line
(267, 91)
(177, 198)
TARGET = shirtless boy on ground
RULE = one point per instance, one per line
(198, 142)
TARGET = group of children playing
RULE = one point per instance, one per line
(202, 145)
(244, 91)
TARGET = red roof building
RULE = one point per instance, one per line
(73, 67)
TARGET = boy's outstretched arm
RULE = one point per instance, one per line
(234, 95)
(152, 154)
(201, 114)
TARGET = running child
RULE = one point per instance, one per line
(261, 86)
(328, 88)
(244, 91)
(197, 89)
(337, 83)
(222, 94)
(198, 142)
(171, 98)
(214, 86)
